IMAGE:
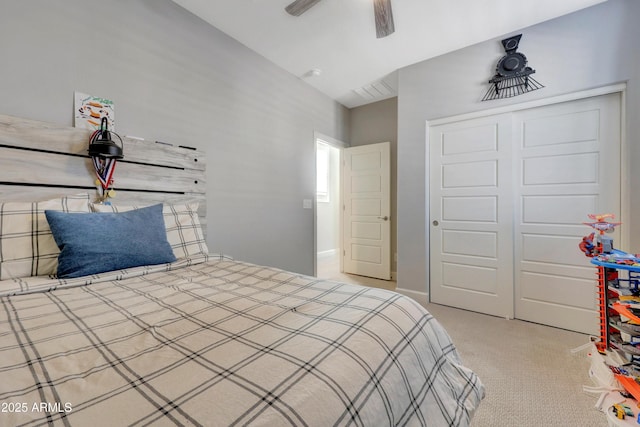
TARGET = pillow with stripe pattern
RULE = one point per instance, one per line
(27, 247)
(181, 220)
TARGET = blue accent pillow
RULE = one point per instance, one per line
(92, 243)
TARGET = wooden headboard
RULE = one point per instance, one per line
(42, 160)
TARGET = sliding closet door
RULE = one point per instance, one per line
(508, 195)
(567, 165)
(471, 233)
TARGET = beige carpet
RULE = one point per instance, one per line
(531, 377)
(329, 268)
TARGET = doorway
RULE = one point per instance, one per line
(328, 204)
(328, 232)
(330, 224)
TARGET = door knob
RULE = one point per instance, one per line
(384, 218)
(435, 223)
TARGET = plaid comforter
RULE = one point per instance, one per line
(219, 342)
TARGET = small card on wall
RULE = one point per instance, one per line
(89, 111)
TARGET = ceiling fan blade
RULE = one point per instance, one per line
(384, 18)
(299, 7)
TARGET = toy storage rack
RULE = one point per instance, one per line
(615, 280)
(619, 278)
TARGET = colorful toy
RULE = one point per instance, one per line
(603, 244)
(601, 217)
(600, 223)
(587, 245)
(621, 409)
(594, 246)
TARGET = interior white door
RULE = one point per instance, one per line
(367, 210)
(568, 166)
(471, 236)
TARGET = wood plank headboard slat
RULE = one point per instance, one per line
(41, 160)
(35, 135)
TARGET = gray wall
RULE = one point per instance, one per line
(175, 78)
(373, 123)
(591, 48)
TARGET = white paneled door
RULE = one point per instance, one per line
(470, 212)
(508, 196)
(367, 210)
(568, 166)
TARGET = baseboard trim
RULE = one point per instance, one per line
(327, 254)
(420, 297)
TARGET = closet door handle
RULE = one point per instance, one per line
(384, 218)
(435, 223)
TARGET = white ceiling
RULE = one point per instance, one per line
(338, 37)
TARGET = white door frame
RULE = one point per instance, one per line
(625, 162)
(339, 145)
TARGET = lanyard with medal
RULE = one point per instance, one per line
(104, 152)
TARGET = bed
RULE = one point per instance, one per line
(200, 338)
